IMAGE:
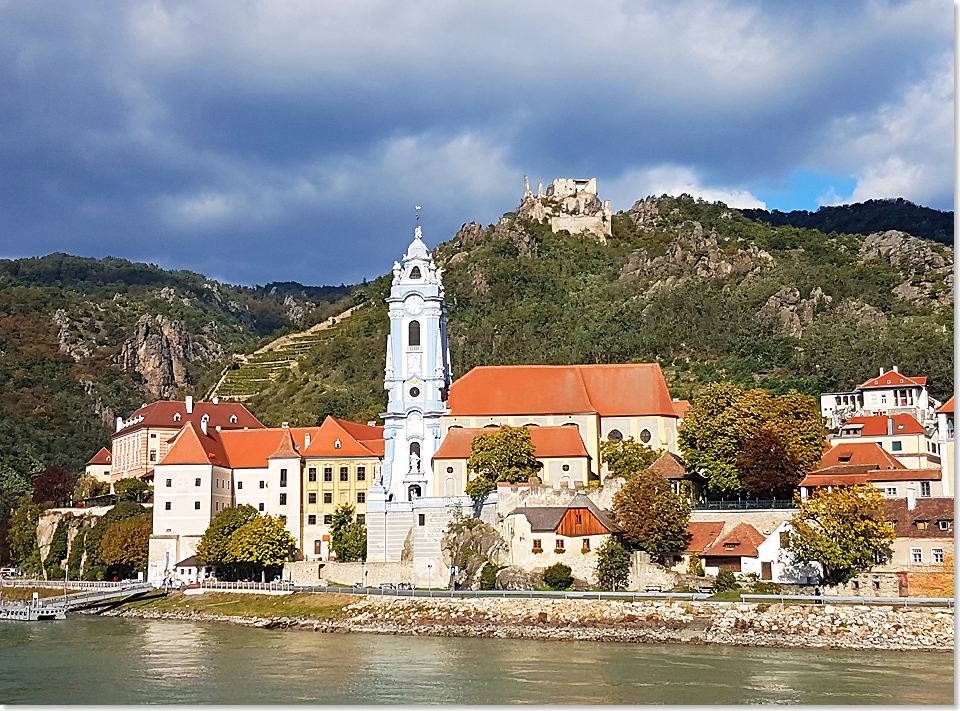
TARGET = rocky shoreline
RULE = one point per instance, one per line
(857, 627)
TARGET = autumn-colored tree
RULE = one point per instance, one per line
(125, 546)
(88, 486)
(213, 545)
(843, 530)
(767, 467)
(53, 485)
(652, 516)
(348, 537)
(627, 456)
(725, 417)
(502, 455)
(261, 543)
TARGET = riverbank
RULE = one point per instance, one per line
(854, 627)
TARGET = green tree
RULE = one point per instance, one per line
(215, 541)
(348, 537)
(259, 544)
(88, 486)
(488, 576)
(94, 568)
(767, 467)
(627, 457)
(843, 530)
(131, 489)
(504, 455)
(558, 576)
(125, 546)
(652, 517)
(14, 488)
(725, 417)
(22, 537)
(726, 580)
(613, 565)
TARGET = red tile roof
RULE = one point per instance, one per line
(947, 407)
(548, 442)
(355, 440)
(681, 407)
(876, 425)
(742, 541)
(164, 412)
(286, 449)
(859, 453)
(192, 446)
(702, 534)
(608, 390)
(892, 378)
(250, 449)
(855, 475)
(101, 457)
(670, 465)
(929, 510)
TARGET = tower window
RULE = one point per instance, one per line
(415, 273)
(414, 333)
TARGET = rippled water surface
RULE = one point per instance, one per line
(92, 660)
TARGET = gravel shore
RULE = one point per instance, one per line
(849, 627)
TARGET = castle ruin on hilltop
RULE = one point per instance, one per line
(568, 204)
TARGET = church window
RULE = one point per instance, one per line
(415, 273)
(449, 470)
(645, 436)
(283, 477)
(615, 435)
(414, 333)
(565, 467)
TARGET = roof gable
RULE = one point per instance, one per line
(669, 465)
(742, 540)
(192, 446)
(173, 414)
(607, 390)
(892, 379)
(101, 457)
(339, 438)
(947, 407)
(286, 449)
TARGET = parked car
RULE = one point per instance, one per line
(387, 586)
(9, 572)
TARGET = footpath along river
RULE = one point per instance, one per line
(110, 661)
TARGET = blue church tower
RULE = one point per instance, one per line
(417, 375)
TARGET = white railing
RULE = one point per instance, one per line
(243, 585)
(71, 584)
(852, 600)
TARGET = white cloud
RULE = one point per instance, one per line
(671, 180)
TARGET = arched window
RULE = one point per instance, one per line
(414, 333)
(450, 487)
(615, 435)
(413, 492)
(645, 436)
(415, 273)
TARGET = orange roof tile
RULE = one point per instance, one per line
(164, 412)
(349, 435)
(702, 534)
(192, 446)
(608, 390)
(947, 407)
(856, 475)
(101, 457)
(250, 449)
(286, 448)
(865, 453)
(670, 466)
(876, 425)
(547, 441)
(742, 540)
(892, 378)
(681, 407)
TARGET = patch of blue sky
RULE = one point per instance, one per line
(808, 190)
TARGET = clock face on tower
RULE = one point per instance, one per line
(413, 304)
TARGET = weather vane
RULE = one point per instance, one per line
(418, 213)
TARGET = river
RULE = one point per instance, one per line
(111, 661)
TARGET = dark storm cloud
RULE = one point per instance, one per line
(258, 141)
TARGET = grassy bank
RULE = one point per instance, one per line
(313, 605)
(11, 594)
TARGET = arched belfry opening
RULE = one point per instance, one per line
(414, 333)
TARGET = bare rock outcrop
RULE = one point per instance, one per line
(794, 313)
(903, 251)
(862, 313)
(160, 351)
(468, 544)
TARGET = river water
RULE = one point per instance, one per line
(97, 660)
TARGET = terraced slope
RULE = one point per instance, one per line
(252, 373)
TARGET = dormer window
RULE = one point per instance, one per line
(338, 444)
(415, 273)
(233, 419)
(944, 525)
(844, 458)
(176, 417)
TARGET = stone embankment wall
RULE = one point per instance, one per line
(310, 572)
(743, 624)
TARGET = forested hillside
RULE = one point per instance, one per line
(695, 286)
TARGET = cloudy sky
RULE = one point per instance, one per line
(273, 140)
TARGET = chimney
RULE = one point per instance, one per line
(189, 403)
(371, 423)
(285, 425)
(216, 401)
(119, 423)
(881, 370)
(896, 369)
(306, 441)
(889, 425)
(911, 499)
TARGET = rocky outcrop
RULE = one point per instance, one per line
(644, 213)
(904, 252)
(160, 351)
(469, 234)
(294, 310)
(794, 313)
(468, 544)
(861, 313)
(695, 252)
(71, 338)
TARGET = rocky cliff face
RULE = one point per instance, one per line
(794, 313)
(160, 351)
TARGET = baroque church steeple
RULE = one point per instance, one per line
(417, 374)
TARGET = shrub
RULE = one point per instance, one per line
(488, 576)
(695, 566)
(613, 565)
(558, 577)
(765, 588)
(726, 580)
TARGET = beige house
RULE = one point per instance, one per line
(900, 435)
(945, 435)
(603, 402)
(922, 554)
(890, 393)
(856, 463)
(100, 465)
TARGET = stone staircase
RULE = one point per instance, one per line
(250, 374)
